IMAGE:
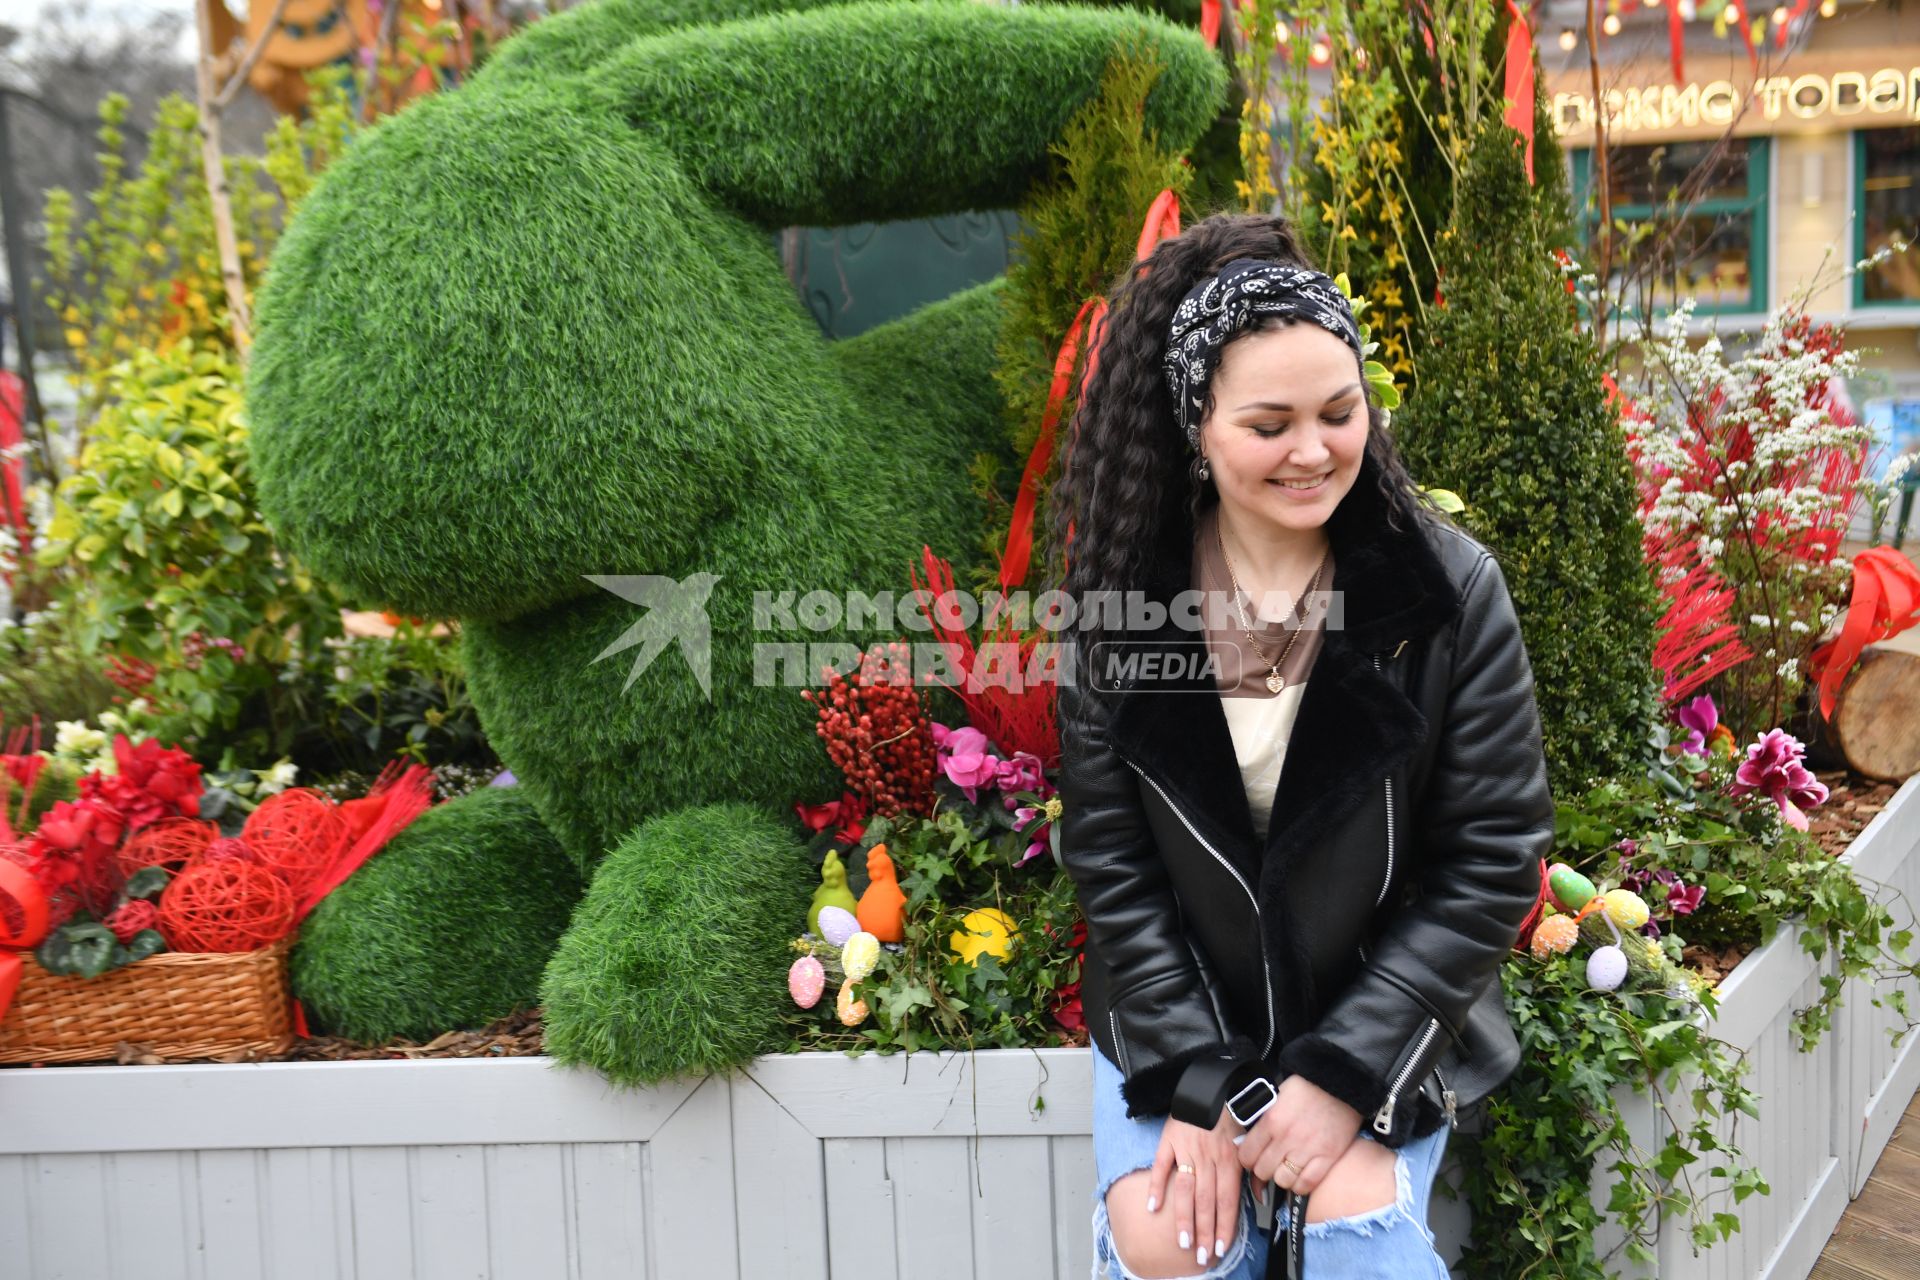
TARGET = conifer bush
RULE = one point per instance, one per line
(1512, 416)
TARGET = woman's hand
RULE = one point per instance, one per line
(1299, 1138)
(1206, 1202)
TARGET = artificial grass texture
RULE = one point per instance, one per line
(597, 760)
(676, 961)
(448, 927)
(535, 328)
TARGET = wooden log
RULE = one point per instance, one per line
(1875, 726)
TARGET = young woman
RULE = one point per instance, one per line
(1303, 840)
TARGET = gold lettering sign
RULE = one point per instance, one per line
(1811, 101)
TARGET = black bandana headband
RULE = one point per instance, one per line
(1218, 308)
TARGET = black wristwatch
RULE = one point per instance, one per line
(1208, 1084)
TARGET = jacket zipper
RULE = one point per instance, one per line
(1383, 1118)
(1388, 878)
(1119, 1049)
(1265, 966)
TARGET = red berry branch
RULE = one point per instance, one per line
(877, 734)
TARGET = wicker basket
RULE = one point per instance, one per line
(176, 1004)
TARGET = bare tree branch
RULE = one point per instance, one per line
(251, 57)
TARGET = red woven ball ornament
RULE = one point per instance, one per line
(297, 834)
(225, 904)
(171, 843)
(225, 849)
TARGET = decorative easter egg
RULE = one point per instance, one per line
(1554, 936)
(850, 1011)
(987, 931)
(831, 892)
(806, 980)
(1625, 908)
(858, 957)
(1571, 890)
(1606, 968)
(837, 924)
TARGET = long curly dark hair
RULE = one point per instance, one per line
(1127, 487)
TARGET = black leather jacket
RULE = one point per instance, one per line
(1361, 946)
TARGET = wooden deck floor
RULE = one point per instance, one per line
(1879, 1238)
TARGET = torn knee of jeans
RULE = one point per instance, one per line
(1107, 1250)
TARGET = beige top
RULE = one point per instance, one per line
(1260, 720)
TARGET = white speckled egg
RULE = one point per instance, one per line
(1606, 968)
(806, 980)
(837, 924)
(860, 955)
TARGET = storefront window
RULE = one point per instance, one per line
(1887, 165)
(1701, 213)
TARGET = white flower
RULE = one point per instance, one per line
(74, 739)
(278, 778)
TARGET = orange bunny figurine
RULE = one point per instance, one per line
(883, 908)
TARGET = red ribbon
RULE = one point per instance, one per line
(1780, 36)
(1676, 41)
(13, 508)
(1746, 33)
(1886, 601)
(1519, 87)
(1162, 221)
(1210, 22)
(1019, 553)
(23, 923)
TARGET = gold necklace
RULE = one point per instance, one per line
(1275, 681)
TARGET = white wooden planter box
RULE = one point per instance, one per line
(916, 1167)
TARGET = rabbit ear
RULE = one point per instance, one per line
(866, 112)
(572, 42)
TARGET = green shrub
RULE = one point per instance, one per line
(677, 958)
(1511, 415)
(160, 554)
(447, 927)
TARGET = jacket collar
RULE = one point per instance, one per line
(1353, 724)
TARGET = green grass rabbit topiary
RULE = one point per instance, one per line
(536, 330)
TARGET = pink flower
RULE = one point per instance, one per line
(1039, 838)
(1773, 767)
(1685, 899)
(1023, 772)
(966, 759)
(1701, 717)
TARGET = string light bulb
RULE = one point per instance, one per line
(1568, 39)
(1780, 16)
(1281, 31)
(1828, 8)
(1321, 53)
(1611, 24)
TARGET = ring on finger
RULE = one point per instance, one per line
(1293, 1168)
(1183, 1168)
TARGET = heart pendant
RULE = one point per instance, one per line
(1275, 682)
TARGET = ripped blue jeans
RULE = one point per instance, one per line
(1392, 1240)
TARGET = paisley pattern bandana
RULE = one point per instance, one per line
(1219, 307)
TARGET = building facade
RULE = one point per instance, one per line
(1753, 182)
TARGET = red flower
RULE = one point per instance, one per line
(154, 782)
(848, 811)
(74, 847)
(132, 918)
